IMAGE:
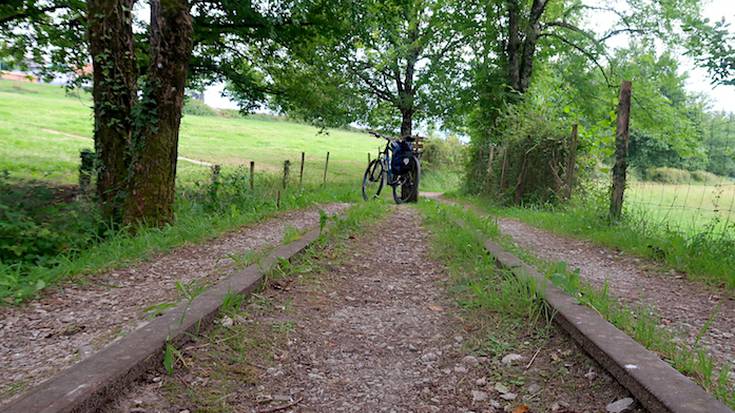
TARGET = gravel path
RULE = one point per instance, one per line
(377, 332)
(67, 324)
(684, 305)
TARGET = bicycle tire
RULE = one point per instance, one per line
(369, 176)
(408, 190)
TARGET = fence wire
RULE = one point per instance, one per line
(703, 202)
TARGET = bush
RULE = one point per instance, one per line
(525, 159)
(39, 222)
(198, 108)
(706, 177)
(668, 175)
(447, 154)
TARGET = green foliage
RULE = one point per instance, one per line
(707, 253)
(170, 355)
(476, 281)
(525, 159)
(443, 154)
(291, 234)
(196, 221)
(668, 175)
(198, 108)
(382, 62)
(37, 222)
(231, 303)
(680, 176)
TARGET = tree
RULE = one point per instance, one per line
(384, 65)
(114, 94)
(712, 46)
(518, 37)
(138, 91)
(136, 137)
(156, 133)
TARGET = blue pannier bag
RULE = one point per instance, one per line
(402, 152)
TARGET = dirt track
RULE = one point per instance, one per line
(374, 330)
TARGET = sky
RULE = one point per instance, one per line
(723, 97)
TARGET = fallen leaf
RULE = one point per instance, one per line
(436, 308)
(521, 409)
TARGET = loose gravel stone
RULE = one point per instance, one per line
(620, 406)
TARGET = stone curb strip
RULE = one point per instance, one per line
(656, 385)
(89, 384)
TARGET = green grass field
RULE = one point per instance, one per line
(42, 130)
(689, 208)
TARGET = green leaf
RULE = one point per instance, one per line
(168, 358)
(40, 285)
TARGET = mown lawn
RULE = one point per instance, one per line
(42, 130)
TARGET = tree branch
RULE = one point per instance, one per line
(580, 49)
(30, 13)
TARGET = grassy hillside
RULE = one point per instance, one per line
(42, 130)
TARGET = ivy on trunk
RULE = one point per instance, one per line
(136, 138)
(114, 88)
(153, 167)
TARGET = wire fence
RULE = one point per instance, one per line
(691, 208)
(692, 202)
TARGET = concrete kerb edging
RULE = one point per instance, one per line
(89, 384)
(656, 385)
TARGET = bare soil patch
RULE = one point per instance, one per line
(74, 321)
(685, 306)
(370, 327)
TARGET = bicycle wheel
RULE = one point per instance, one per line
(372, 180)
(408, 188)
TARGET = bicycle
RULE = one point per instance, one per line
(402, 173)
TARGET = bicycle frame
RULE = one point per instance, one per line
(385, 157)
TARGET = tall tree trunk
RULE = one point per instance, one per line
(113, 84)
(406, 122)
(153, 181)
(621, 152)
(521, 49)
(513, 47)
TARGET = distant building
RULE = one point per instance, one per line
(18, 76)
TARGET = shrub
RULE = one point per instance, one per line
(448, 154)
(705, 177)
(525, 159)
(668, 175)
(198, 108)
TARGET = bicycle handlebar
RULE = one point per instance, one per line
(407, 138)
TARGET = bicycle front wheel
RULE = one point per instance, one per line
(373, 180)
(408, 188)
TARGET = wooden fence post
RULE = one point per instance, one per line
(252, 173)
(571, 163)
(286, 172)
(301, 170)
(326, 165)
(86, 169)
(216, 169)
(503, 167)
(490, 160)
(621, 152)
(278, 199)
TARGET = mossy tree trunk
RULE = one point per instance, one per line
(114, 91)
(153, 172)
